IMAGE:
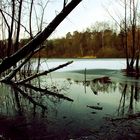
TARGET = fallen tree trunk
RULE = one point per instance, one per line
(39, 39)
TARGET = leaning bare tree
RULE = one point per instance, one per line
(32, 45)
(16, 56)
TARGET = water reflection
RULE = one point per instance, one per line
(128, 94)
(45, 115)
(25, 108)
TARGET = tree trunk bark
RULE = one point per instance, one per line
(137, 64)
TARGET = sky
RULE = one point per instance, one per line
(86, 14)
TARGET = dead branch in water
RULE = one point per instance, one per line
(43, 73)
(95, 107)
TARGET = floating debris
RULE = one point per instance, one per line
(95, 107)
(93, 112)
(64, 117)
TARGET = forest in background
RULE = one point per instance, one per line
(99, 41)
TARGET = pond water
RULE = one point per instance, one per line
(98, 88)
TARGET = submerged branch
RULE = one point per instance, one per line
(44, 91)
(34, 87)
(58, 95)
(43, 73)
(95, 107)
(47, 92)
(27, 96)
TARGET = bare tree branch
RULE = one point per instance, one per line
(18, 25)
(15, 70)
(15, 21)
(39, 39)
(5, 20)
(30, 19)
(44, 73)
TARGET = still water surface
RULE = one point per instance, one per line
(94, 99)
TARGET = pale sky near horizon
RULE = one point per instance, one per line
(84, 15)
